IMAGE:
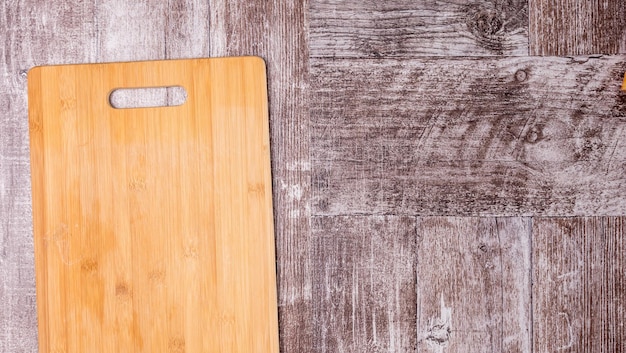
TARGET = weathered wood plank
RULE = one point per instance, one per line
(579, 284)
(404, 29)
(187, 29)
(364, 284)
(511, 136)
(276, 31)
(473, 284)
(130, 30)
(573, 27)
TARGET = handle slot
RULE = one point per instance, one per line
(147, 97)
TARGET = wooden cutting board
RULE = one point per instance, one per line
(153, 226)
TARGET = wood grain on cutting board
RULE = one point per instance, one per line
(153, 226)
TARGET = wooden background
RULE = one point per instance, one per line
(437, 186)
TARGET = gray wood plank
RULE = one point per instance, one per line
(481, 136)
(187, 29)
(579, 284)
(129, 30)
(404, 29)
(364, 284)
(573, 27)
(276, 31)
(473, 284)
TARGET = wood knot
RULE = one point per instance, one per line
(439, 334)
(256, 188)
(535, 134)
(176, 345)
(521, 75)
(323, 205)
(137, 184)
(487, 24)
(491, 25)
(157, 276)
(190, 251)
(590, 146)
(34, 125)
(68, 103)
(89, 266)
(122, 291)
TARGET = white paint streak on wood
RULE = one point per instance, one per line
(440, 329)
(364, 283)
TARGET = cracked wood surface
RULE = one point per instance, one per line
(480, 136)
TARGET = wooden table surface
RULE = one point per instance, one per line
(437, 186)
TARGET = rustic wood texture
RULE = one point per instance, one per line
(405, 29)
(58, 32)
(37, 32)
(473, 284)
(575, 27)
(153, 226)
(364, 284)
(579, 284)
(511, 136)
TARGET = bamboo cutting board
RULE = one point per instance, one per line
(153, 226)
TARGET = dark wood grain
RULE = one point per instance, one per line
(511, 136)
(364, 284)
(574, 27)
(473, 284)
(404, 29)
(579, 284)
(276, 30)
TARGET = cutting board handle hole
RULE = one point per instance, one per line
(147, 97)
